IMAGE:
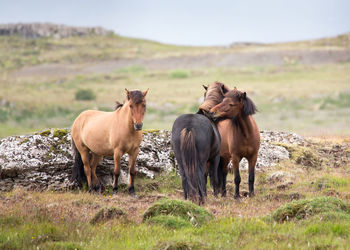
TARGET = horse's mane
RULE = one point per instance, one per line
(118, 105)
(136, 96)
(249, 108)
(213, 96)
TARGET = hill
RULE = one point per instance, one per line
(299, 86)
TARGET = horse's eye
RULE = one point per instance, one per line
(131, 107)
(144, 105)
(232, 105)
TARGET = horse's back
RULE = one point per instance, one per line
(207, 137)
(92, 128)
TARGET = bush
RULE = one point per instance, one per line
(309, 207)
(183, 209)
(85, 95)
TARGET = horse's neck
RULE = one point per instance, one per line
(124, 115)
(245, 125)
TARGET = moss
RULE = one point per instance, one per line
(151, 131)
(25, 141)
(45, 132)
(306, 208)
(60, 133)
(106, 214)
(303, 156)
(183, 209)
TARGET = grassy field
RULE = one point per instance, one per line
(39, 80)
(308, 208)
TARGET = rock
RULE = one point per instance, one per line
(44, 160)
(280, 176)
(37, 30)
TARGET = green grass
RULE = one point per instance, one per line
(184, 209)
(309, 207)
(226, 233)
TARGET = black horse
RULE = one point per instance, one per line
(196, 143)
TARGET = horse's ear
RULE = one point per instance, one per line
(223, 89)
(244, 95)
(127, 94)
(144, 93)
(205, 87)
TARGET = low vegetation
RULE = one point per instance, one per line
(313, 211)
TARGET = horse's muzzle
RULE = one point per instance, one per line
(138, 126)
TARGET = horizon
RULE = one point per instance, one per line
(193, 23)
(140, 38)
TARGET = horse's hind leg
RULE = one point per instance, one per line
(85, 157)
(213, 174)
(132, 163)
(235, 166)
(251, 170)
(95, 159)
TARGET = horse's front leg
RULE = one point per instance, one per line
(235, 166)
(116, 172)
(132, 171)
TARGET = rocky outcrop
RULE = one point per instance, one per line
(37, 30)
(44, 160)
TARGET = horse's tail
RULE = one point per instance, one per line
(193, 172)
(78, 173)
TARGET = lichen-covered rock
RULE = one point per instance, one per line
(36, 30)
(44, 160)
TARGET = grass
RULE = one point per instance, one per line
(301, 216)
(309, 207)
(184, 211)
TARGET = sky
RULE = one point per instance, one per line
(192, 22)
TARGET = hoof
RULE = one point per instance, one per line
(223, 194)
(237, 196)
(132, 192)
(115, 191)
(97, 188)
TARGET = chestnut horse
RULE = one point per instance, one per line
(96, 134)
(240, 135)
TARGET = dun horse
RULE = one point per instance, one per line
(240, 135)
(96, 134)
(196, 142)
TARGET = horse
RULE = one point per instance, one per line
(96, 134)
(196, 144)
(239, 132)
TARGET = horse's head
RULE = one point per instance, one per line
(234, 103)
(214, 94)
(137, 104)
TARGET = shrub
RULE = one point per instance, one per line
(85, 95)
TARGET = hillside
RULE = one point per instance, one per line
(300, 86)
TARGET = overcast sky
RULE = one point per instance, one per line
(192, 22)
